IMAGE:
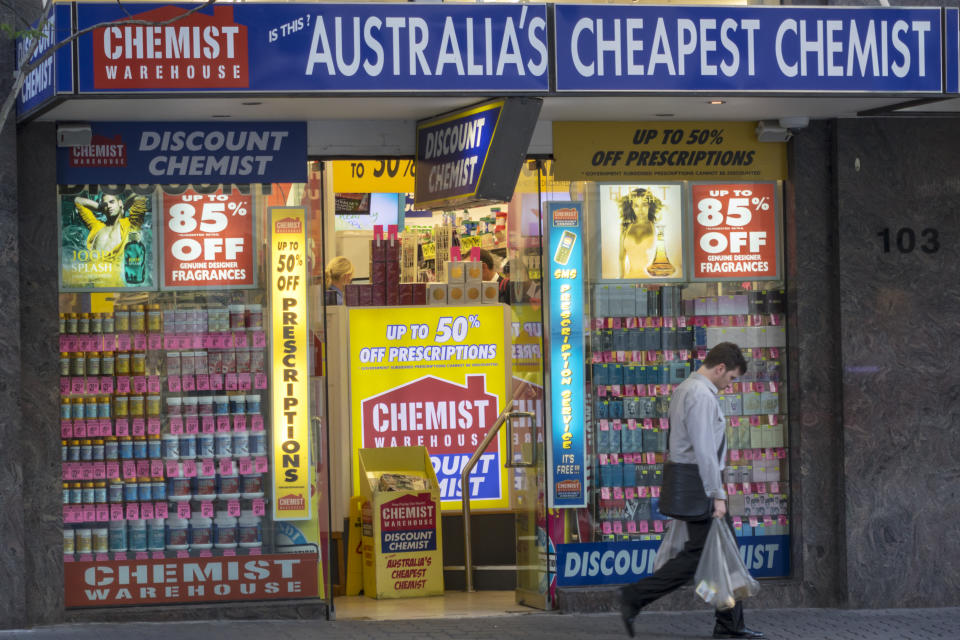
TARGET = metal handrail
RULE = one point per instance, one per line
(506, 416)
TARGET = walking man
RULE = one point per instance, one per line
(697, 436)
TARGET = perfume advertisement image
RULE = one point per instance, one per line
(106, 240)
(641, 232)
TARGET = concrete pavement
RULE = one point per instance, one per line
(778, 624)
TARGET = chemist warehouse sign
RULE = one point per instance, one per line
(187, 153)
(434, 377)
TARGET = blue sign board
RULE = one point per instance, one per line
(315, 47)
(54, 72)
(770, 49)
(568, 445)
(951, 47)
(452, 152)
(187, 153)
(598, 563)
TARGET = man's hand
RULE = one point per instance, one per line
(719, 508)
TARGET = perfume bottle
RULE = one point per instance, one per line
(134, 260)
(661, 265)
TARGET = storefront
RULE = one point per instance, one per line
(215, 393)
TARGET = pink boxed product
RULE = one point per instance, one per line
(405, 294)
(420, 293)
(378, 273)
(379, 294)
(393, 295)
(366, 295)
(351, 295)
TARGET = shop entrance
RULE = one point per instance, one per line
(392, 316)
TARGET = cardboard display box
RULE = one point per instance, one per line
(402, 546)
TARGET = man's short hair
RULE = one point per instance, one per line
(726, 353)
(486, 258)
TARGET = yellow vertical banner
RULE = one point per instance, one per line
(290, 405)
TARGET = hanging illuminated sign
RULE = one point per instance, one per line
(568, 448)
(291, 420)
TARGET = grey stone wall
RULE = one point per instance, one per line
(901, 405)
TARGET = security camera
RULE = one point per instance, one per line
(771, 131)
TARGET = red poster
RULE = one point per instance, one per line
(735, 232)
(208, 240)
(241, 577)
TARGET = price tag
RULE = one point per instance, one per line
(259, 507)
(116, 512)
(226, 466)
(173, 384)
(77, 386)
(618, 527)
(223, 424)
(734, 455)
(133, 511)
(155, 341)
(260, 381)
(99, 471)
(618, 493)
(68, 343)
(193, 424)
(160, 509)
(644, 526)
(233, 508)
(216, 382)
(239, 423)
(246, 466)
(631, 526)
(775, 487)
(113, 469)
(256, 422)
(260, 464)
(66, 429)
(731, 489)
(240, 340)
(129, 469)
(123, 342)
(139, 342)
(153, 425)
(224, 341)
(86, 471)
(106, 385)
(207, 424)
(259, 340)
(123, 384)
(169, 342)
(604, 493)
(206, 509)
(143, 468)
(203, 382)
(190, 468)
(64, 386)
(176, 425)
(183, 553)
(156, 468)
(139, 427)
(153, 384)
(208, 466)
(231, 383)
(173, 469)
(189, 383)
(183, 512)
(65, 470)
(245, 381)
(146, 510)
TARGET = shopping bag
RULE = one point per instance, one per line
(721, 578)
(672, 543)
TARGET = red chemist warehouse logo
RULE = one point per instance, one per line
(101, 152)
(288, 225)
(443, 416)
(292, 502)
(198, 52)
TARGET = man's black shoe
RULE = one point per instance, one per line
(723, 632)
(628, 613)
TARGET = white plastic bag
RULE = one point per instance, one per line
(672, 543)
(721, 578)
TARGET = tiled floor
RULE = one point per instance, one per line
(454, 604)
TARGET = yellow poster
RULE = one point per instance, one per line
(434, 377)
(614, 151)
(290, 406)
(390, 175)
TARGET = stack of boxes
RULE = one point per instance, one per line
(464, 285)
(385, 288)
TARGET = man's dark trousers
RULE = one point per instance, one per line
(679, 571)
